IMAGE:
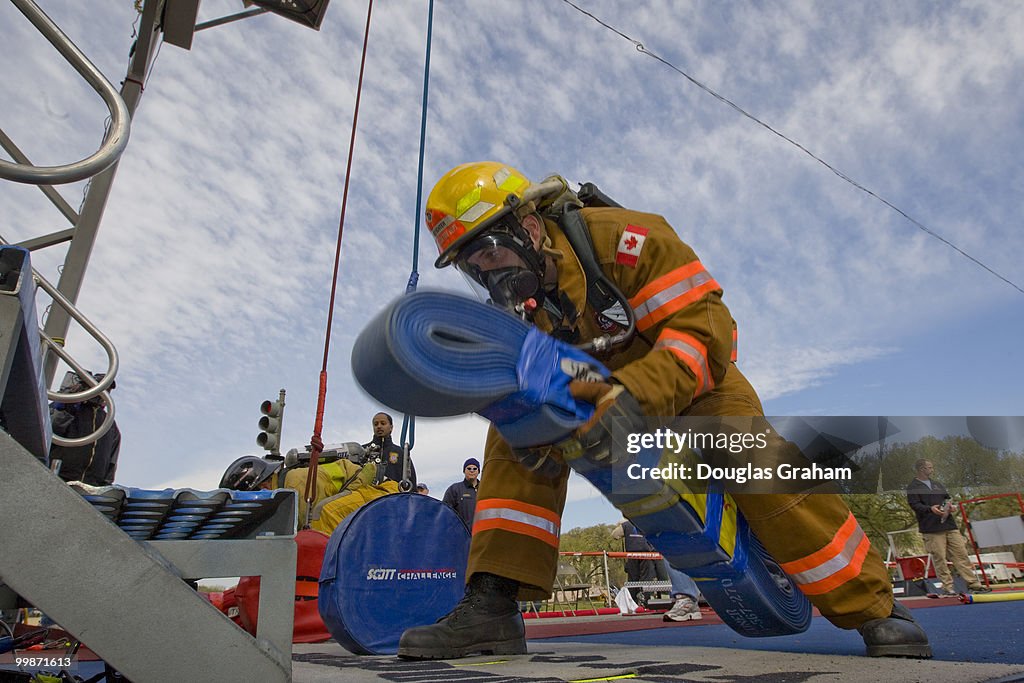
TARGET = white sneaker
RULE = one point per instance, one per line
(685, 609)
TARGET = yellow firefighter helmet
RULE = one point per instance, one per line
(466, 200)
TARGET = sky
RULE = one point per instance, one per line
(214, 261)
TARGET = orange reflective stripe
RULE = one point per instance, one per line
(735, 344)
(671, 292)
(692, 352)
(515, 528)
(834, 547)
(833, 565)
(517, 517)
(528, 508)
(850, 571)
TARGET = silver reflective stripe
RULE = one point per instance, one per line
(517, 516)
(665, 296)
(837, 563)
(692, 352)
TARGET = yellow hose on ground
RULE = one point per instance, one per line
(992, 597)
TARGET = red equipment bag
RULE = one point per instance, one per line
(309, 627)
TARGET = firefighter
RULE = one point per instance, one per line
(384, 451)
(680, 362)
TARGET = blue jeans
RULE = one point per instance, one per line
(681, 583)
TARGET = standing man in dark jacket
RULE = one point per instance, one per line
(386, 452)
(633, 541)
(942, 540)
(461, 496)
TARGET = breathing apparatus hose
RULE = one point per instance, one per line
(435, 354)
(554, 199)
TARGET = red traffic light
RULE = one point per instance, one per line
(271, 409)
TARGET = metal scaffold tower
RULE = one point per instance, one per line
(124, 597)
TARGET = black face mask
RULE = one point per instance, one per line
(516, 288)
(511, 287)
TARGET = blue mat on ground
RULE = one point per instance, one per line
(991, 633)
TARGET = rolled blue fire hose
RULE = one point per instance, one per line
(704, 535)
(435, 354)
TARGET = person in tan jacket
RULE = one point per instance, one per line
(679, 362)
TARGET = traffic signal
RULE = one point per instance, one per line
(270, 425)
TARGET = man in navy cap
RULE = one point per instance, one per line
(461, 496)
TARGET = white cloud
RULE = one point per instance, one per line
(214, 261)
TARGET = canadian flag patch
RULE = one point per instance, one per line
(630, 245)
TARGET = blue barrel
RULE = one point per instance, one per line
(397, 562)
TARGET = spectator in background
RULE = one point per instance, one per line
(423, 488)
(461, 496)
(684, 590)
(942, 539)
(94, 463)
(637, 570)
(386, 453)
(686, 595)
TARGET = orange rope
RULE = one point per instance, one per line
(316, 444)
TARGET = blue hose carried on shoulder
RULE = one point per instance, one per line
(438, 355)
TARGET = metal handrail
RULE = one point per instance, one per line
(94, 332)
(120, 121)
(104, 396)
(96, 388)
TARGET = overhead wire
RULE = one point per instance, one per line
(643, 50)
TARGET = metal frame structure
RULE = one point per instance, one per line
(126, 599)
(904, 585)
(970, 532)
(568, 581)
(117, 134)
(101, 166)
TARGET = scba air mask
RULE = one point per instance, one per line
(507, 268)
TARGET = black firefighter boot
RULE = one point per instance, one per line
(898, 635)
(486, 620)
